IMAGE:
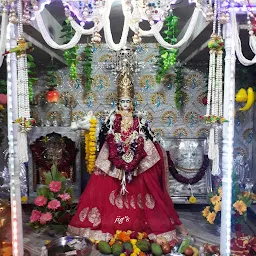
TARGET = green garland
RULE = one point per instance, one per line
(179, 94)
(71, 54)
(32, 79)
(51, 78)
(87, 67)
(166, 57)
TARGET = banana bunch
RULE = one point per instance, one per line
(249, 97)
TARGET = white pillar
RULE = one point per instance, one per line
(228, 138)
(13, 129)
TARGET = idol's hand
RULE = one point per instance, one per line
(83, 124)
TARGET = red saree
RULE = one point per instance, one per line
(146, 207)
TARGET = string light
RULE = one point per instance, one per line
(228, 139)
(17, 241)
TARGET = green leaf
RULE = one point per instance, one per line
(31, 65)
(30, 57)
(48, 177)
(39, 192)
(51, 196)
(45, 192)
(54, 172)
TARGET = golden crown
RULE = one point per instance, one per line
(125, 88)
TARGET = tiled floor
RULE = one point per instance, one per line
(190, 216)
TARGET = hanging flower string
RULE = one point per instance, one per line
(213, 119)
(214, 110)
(91, 145)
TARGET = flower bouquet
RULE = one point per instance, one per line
(241, 200)
(53, 205)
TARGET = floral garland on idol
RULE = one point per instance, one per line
(189, 181)
(91, 145)
(125, 154)
(214, 114)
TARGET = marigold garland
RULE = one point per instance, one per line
(91, 145)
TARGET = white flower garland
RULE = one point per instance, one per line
(252, 42)
(185, 38)
(74, 41)
(215, 94)
(107, 29)
(128, 23)
(23, 95)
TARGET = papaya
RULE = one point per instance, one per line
(104, 247)
(117, 249)
(128, 247)
(143, 245)
(156, 249)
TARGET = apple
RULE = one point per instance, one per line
(188, 251)
(166, 248)
(52, 96)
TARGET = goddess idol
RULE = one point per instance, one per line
(128, 188)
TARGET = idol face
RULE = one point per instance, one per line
(125, 103)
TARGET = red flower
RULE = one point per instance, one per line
(65, 196)
(45, 217)
(40, 201)
(55, 186)
(35, 216)
(54, 204)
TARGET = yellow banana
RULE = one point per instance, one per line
(241, 96)
(250, 99)
(195, 250)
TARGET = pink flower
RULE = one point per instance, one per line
(65, 196)
(40, 201)
(35, 216)
(55, 186)
(45, 217)
(54, 204)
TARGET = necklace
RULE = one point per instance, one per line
(127, 120)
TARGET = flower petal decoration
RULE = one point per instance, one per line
(211, 217)
(240, 206)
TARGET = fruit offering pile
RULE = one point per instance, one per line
(138, 244)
